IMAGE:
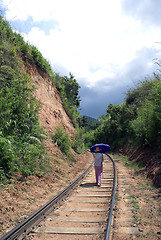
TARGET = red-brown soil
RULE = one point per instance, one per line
(52, 113)
(138, 206)
(20, 199)
(147, 157)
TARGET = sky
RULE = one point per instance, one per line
(109, 46)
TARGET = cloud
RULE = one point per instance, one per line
(107, 45)
(26, 26)
(94, 103)
(97, 97)
(146, 11)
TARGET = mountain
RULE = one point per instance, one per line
(90, 119)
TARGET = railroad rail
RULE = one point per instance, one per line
(81, 209)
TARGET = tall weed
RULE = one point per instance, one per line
(61, 138)
(6, 154)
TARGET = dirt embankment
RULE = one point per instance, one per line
(52, 113)
(150, 159)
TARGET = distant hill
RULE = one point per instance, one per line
(90, 119)
(89, 123)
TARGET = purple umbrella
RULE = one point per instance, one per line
(100, 147)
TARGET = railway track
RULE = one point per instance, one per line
(81, 211)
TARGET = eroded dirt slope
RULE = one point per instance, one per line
(52, 113)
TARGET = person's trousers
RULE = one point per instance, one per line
(98, 173)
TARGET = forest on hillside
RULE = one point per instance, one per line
(136, 121)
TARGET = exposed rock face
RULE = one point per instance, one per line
(52, 113)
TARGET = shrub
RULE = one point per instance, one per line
(78, 144)
(147, 125)
(61, 138)
(31, 159)
(6, 154)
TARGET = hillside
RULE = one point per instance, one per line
(90, 119)
(21, 198)
(33, 169)
(52, 113)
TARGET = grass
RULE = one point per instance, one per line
(148, 234)
(135, 204)
(146, 186)
(124, 159)
(117, 196)
(137, 220)
(131, 196)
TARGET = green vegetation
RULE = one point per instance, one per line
(135, 204)
(61, 138)
(132, 164)
(78, 143)
(21, 136)
(68, 89)
(21, 145)
(136, 121)
(147, 125)
(88, 126)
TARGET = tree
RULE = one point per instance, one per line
(68, 90)
(71, 88)
(147, 125)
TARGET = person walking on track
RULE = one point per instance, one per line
(98, 165)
